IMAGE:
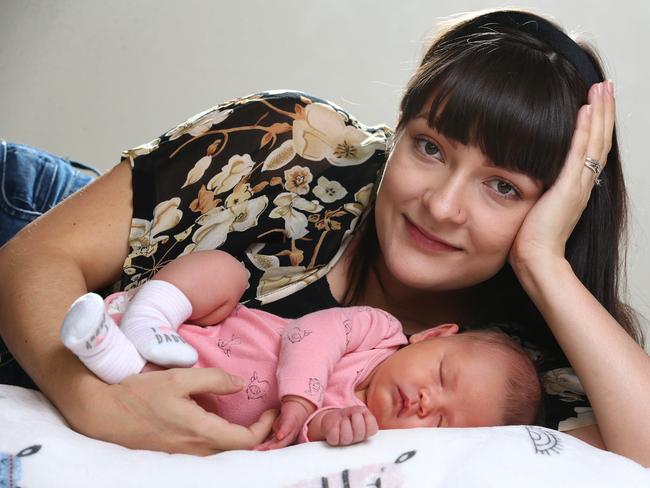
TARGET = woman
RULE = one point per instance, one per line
(486, 210)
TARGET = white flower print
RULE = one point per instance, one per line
(238, 166)
(297, 179)
(214, 228)
(584, 417)
(564, 383)
(181, 236)
(142, 150)
(261, 261)
(220, 221)
(197, 171)
(139, 234)
(361, 199)
(278, 282)
(240, 194)
(200, 123)
(165, 216)
(144, 235)
(323, 134)
(329, 191)
(247, 212)
(295, 223)
(280, 156)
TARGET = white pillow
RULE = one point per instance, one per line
(37, 449)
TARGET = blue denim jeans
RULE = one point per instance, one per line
(31, 183)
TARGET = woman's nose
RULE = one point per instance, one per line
(446, 202)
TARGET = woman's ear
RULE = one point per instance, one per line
(442, 330)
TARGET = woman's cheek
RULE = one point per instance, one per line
(498, 236)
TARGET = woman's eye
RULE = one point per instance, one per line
(427, 147)
(504, 189)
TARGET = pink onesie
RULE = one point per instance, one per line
(321, 356)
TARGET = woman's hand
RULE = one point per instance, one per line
(549, 223)
(154, 411)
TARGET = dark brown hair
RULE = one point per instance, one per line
(510, 94)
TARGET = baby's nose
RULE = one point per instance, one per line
(425, 403)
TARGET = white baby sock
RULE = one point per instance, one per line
(90, 333)
(150, 322)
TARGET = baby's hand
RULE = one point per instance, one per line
(286, 428)
(349, 425)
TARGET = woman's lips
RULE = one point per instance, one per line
(427, 241)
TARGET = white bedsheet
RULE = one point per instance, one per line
(38, 449)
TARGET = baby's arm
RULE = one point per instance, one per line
(336, 426)
(310, 350)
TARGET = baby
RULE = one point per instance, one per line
(338, 374)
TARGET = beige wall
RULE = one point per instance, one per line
(87, 78)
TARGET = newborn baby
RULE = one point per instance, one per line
(337, 374)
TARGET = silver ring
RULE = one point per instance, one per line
(593, 165)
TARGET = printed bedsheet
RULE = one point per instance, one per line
(38, 449)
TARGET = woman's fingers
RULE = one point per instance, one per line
(574, 164)
(222, 435)
(610, 116)
(204, 380)
(601, 128)
(261, 429)
(168, 419)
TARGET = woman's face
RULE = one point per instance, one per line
(446, 216)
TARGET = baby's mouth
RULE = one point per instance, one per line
(403, 403)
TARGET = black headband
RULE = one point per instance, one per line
(543, 30)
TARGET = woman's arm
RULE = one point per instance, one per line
(80, 245)
(613, 369)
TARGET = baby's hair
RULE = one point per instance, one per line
(523, 386)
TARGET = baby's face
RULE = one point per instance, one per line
(439, 382)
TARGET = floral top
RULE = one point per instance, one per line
(280, 180)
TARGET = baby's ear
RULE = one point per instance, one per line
(442, 330)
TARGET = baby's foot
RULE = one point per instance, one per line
(84, 328)
(150, 322)
(90, 333)
(163, 346)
